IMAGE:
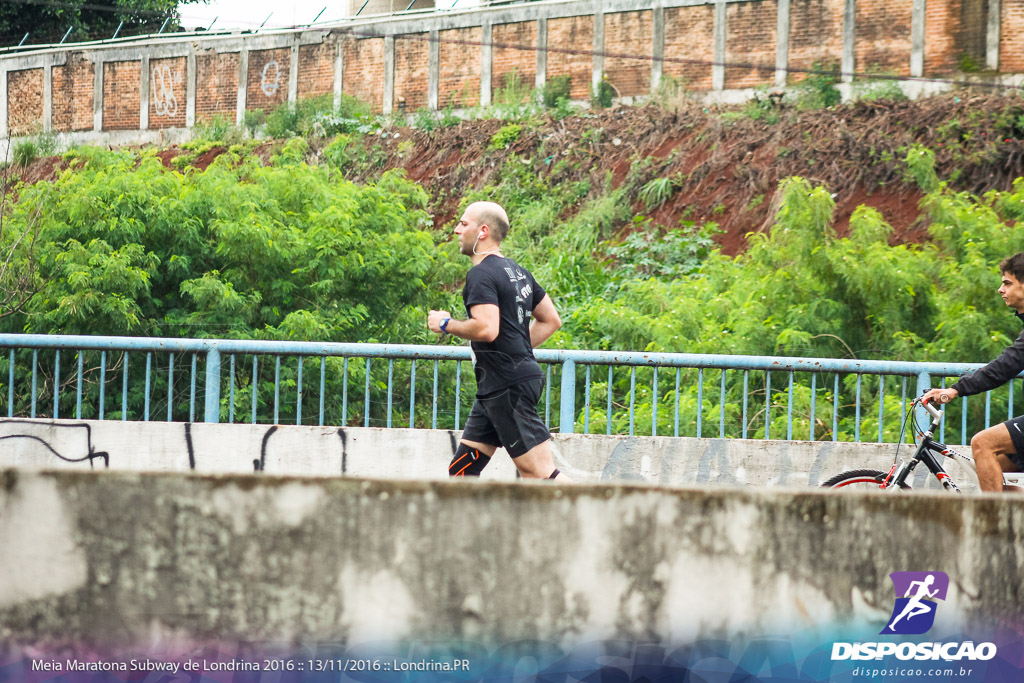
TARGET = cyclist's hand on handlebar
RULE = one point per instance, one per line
(939, 395)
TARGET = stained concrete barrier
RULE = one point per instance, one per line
(108, 559)
(424, 454)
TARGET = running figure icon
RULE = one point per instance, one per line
(915, 606)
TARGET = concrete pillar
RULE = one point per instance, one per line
(144, 94)
(782, 44)
(48, 95)
(293, 72)
(542, 53)
(97, 96)
(486, 62)
(718, 68)
(4, 132)
(339, 72)
(243, 84)
(598, 67)
(434, 71)
(994, 27)
(657, 43)
(190, 90)
(849, 59)
(917, 20)
(389, 74)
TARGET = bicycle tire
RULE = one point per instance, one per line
(864, 480)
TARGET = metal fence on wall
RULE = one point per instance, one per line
(415, 386)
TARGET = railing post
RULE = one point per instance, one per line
(212, 414)
(924, 383)
(567, 406)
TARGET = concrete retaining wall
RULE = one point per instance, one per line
(424, 454)
(110, 559)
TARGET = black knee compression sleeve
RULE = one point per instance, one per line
(468, 462)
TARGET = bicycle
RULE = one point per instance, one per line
(929, 452)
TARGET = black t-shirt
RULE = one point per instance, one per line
(508, 359)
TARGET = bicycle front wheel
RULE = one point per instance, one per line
(858, 480)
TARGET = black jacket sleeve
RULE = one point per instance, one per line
(1004, 368)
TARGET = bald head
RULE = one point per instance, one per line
(491, 215)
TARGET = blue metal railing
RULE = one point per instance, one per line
(611, 392)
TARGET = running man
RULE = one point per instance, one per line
(508, 314)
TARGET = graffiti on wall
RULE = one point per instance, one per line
(74, 441)
(270, 78)
(165, 102)
(45, 443)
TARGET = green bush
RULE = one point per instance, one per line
(25, 152)
(818, 90)
(556, 89)
(506, 136)
(602, 95)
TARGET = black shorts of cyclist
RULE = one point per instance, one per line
(508, 418)
(1016, 427)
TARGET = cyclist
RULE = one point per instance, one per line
(999, 448)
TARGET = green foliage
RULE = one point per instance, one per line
(968, 64)
(555, 89)
(515, 100)
(657, 191)
(505, 136)
(218, 129)
(25, 152)
(126, 246)
(648, 252)
(429, 119)
(603, 94)
(921, 167)
(878, 89)
(670, 94)
(818, 90)
(48, 22)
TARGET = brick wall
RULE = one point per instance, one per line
(883, 40)
(815, 35)
(629, 33)
(73, 93)
(216, 86)
(751, 34)
(121, 95)
(505, 60)
(316, 69)
(167, 92)
(573, 33)
(690, 35)
(25, 101)
(412, 59)
(940, 49)
(459, 77)
(364, 70)
(1011, 38)
(267, 79)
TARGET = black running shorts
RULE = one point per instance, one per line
(508, 418)
(1016, 427)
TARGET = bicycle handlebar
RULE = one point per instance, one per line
(936, 413)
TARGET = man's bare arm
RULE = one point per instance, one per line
(482, 326)
(545, 321)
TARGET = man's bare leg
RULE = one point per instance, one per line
(538, 463)
(990, 448)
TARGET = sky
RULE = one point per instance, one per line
(249, 14)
